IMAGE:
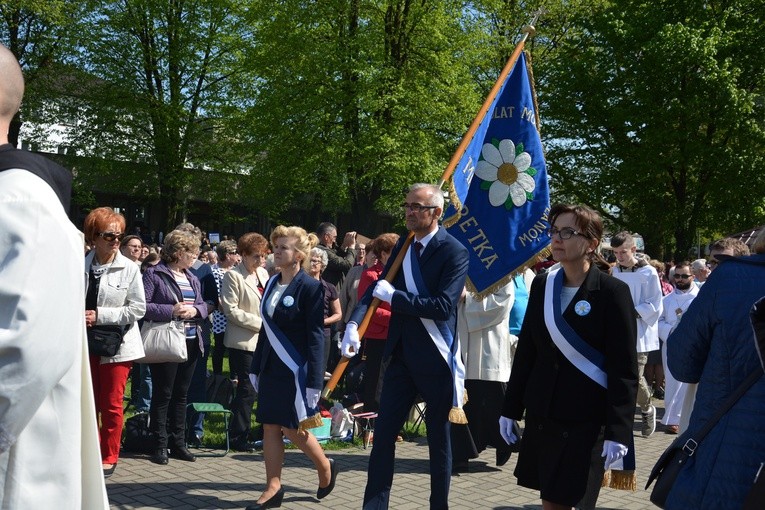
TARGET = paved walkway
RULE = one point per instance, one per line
(236, 480)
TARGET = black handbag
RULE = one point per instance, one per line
(105, 340)
(675, 457)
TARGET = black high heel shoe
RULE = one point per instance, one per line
(274, 501)
(323, 492)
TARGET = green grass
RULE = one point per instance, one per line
(215, 432)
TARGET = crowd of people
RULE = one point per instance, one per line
(569, 352)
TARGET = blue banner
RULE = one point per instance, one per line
(500, 195)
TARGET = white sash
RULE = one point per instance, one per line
(582, 355)
(287, 354)
(448, 346)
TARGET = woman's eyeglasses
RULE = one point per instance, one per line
(111, 236)
(563, 233)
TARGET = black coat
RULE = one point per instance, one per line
(545, 384)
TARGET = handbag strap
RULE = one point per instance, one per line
(172, 284)
(693, 442)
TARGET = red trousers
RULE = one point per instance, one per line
(109, 381)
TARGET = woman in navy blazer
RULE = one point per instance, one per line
(575, 310)
(293, 321)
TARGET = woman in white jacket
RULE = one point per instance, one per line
(114, 296)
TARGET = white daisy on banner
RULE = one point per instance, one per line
(507, 173)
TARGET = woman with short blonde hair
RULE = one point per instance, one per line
(287, 366)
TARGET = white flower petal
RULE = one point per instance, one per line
(526, 181)
(498, 193)
(507, 150)
(522, 162)
(518, 194)
(491, 154)
(486, 171)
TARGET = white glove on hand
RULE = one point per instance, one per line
(506, 430)
(351, 343)
(312, 397)
(383, 291)
(612, 451)
(254, 381)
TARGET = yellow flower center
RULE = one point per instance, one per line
(507, 173)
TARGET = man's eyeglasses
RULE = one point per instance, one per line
(111, 236)
(563, 233)
(231, 252)
(682, 276)
(417, 208)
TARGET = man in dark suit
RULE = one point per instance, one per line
(417, 366)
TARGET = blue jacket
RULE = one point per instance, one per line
(302, 321)
(714, 346)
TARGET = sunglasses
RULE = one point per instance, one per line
(682, 276)
(111, 236)
(417, 208)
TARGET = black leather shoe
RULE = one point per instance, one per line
(194, 441)
(503, 456)
(274, 501)
(160, 456)
(323, 492)
(183, 453)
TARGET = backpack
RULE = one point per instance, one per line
(220, 390)
(138, 438)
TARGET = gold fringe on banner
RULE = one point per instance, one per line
(311, 423)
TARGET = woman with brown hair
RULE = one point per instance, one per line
(373, 343)
(114, 302)
(173, 292)
(575, 368)
(240, 296)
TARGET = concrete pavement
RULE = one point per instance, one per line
(236, 480)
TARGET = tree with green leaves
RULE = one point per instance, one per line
(654, 115)
(37, 33)
(357, 99)
(154, 79)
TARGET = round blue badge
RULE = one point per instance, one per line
(582, 308)
(288, 301)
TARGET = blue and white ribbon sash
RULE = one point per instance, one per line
(582, 355)
(448, 345)
(287, 354)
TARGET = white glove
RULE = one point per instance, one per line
(383, 291)
(506, 430)
(254, 381)
(351, 342)
(312, 397)
(613, 452)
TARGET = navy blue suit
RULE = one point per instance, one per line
(303, 324)
(416, 367)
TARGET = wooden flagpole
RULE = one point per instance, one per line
(396, 265)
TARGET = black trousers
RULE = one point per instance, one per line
(218, 351)
(241, 408)
(170, 385)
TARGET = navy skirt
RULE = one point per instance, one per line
(276, 395)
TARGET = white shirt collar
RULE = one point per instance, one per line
(425, 240)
